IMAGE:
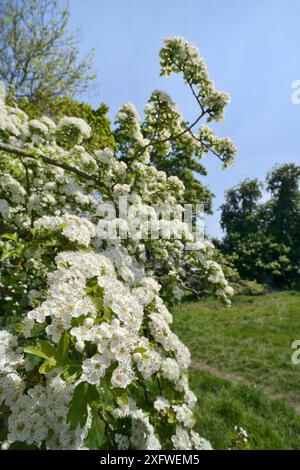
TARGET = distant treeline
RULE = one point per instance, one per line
(263, 238)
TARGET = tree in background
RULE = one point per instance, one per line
(40, 65)
(239, 214)
(101, 135)
(263, 238)
(39, 59)
(283, 184)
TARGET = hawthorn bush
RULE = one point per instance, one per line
(88, 359)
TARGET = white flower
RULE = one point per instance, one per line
(18, 427)
(94, 368)
(10, 355)
(74, 228)
(56, 329)
(79, 124)
(181, 440)
(122, 441)
(161, 404)
(242, 433)
(121, 352)
(5, 445)
(184, 415)
(38, 126)
(170, 370)
(49, 123)
(199, 443)
(122, 377)
(4, 207)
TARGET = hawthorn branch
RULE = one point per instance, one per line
(50, 161)
(171, 137)
(210, 149)
(189, 288)
(187, 129)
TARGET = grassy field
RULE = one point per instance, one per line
(242, 370)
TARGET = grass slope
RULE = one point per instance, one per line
(251, 340)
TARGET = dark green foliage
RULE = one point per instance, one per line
(239, 213)
(246, 287)
(101, 135)
(96, 435)
(85, 395)
(264, 237)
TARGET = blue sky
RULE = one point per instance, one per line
(252, 50)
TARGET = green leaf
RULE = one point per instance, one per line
(9, 236)
(47, 366)
(122, 400)
(84, 394)
(140, 350)
(43, 349)
(78, 412)
(106, 397)
(171, 417)
(62, 352)
(93, 394)
(71, 371)
(96, 436)
(46, 347)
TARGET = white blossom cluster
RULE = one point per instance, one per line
(119, 340)
(179, 56)
(74, 228)
(143, 434)
(241, 434)
(119, 343)
(39, 416)
(201, 253)
(183, 440)
(71, 124)
(10, 355)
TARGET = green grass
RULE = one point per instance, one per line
(251, 341)
(269, 423)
